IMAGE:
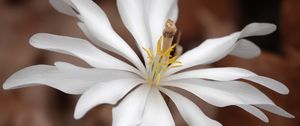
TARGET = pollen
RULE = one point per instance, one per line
(163, 59)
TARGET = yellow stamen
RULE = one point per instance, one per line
(158, 47)
(163, 60)
(158, 80)
(150, 54)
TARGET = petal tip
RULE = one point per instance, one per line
(266, 120)
(291, 116)
(285, 91)
(258, 29)
(34, 39)
(271, 27)
(9, 84)
(6, 86)
(78, 114)
(270, 83)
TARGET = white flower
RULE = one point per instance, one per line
(138, 87)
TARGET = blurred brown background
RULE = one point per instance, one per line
(198, 20)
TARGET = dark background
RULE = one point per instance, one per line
(198, 20)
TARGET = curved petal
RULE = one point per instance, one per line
(276, 110)
(213, 50)
(62, 6)
(158, 12)
(223, 94)
(156, 111)
(173, 12)
(220, 74)
(257, 29)
(190, 112)
(246, 49)
(87, 33)
(130, 111)
(64, 77)
(229, 74)
(79, 48)
(255, 111)
(239, 91)
(202, 89)
(99, 26)
(208, 52)
(133, 16)
(269, 83)
(104, 93)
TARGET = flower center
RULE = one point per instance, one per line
(165, 55)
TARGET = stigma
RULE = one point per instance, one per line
(166, 55)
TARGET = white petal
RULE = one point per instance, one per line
(102, 75)
(158, 12)
(173, 12)
(229, 93)
(229, 74)
(202, 89)
(79, 48)
(213, 50)
(190, 112)
(238, 90)
(63, 7)
(156, 111)
(220, 74)
(64, 77)
(269, 83)
(104, 93)
(87, 33)
(246, 49)
(133, 16)
(130, 111)
(50, 76)
(276, 110)
(208, 52)
(257, 29)
(99, 26)
(255, 111)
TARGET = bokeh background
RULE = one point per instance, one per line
(198, 20)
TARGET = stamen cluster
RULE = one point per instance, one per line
(162, 60)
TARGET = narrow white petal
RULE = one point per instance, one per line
(156, 111)
(173, 12)
(276, 110)
(215, 96)
(269, 83)
(94, 40)
(221, 92)
(50, 76)
(228, 93)
(229, 74)
(208, 52)
(104, 93)
(255, 111)
(246, 49)
(190, 112)
(64, 77)
(133, 16)
(215, 49)
(81, 49)
(220, 74)
(100, 28)
(158, 12)
(63, 7)
(130, 111)
(258, 29)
